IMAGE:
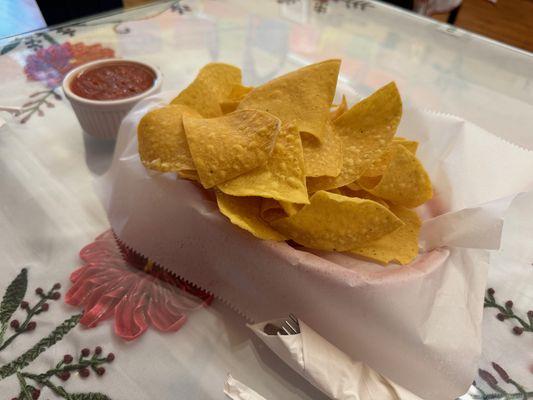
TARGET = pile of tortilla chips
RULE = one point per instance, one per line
(287, 164)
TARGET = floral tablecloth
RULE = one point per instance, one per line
(146, 334)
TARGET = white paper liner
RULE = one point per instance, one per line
(419, 325)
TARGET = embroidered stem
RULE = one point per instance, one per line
(507, 312)
(63, 370)
(506, 396)
(52, 294)
(59, 390)
(24, 389)
(38, 103)
(92, 363)
(41, 346)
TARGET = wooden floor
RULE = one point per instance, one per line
(508, 21)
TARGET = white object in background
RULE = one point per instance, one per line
(19, 16)
(329, 369)
(429, 7)
(102, 118)
(236, 390)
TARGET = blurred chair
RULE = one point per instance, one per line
(58, 11)
(430, 7)
(407, 4)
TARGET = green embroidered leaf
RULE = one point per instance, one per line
(89, 396)
(14, 294)
(41, 346)
(10, 46)
(49, 38)
(24, 390)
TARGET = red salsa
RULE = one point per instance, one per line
(113, 81)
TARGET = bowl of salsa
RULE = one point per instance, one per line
(102, 92)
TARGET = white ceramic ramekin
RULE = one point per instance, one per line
(102, 118)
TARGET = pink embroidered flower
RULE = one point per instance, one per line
(117, 283)
(52, 63)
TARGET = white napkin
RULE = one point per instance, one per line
(419, 324)
(237, 390)
(328, 368)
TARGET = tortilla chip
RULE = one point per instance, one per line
(411, 145)
(322, 158)
(245, 212)
(361, 194)
(337, 223)
(301, 98)
(189, 174)
(162, 142)
(225, 147)
(353, 186)
(238, 92)
(405, 182)
(271, 210)
(281, 178)
(235, 96)
(365, 130)
(400, 245)
(212, 85)
(290, 208)
(377, 168)
(341, 109)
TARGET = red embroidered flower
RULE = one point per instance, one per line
(112, 284)
(52, 63)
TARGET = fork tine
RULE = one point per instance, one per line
(291, 316)
(284, 331)
(290, 327)
(291, 324)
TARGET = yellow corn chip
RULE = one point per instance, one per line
(189, 174)
(228, 106)
(212, 85)
(245, 212)
(361, 194)
(281, 178)
(377, 168)
(271, 210)
(225, 147)
(405, 181)
(162, 142)
(322, 158)
(353, 186)
(365, 130)
(338, 191)
(290, 208)
(238, 92)
(300, 98)
(235, 96)
(338, 223)
(341, 109)
(400, 245)
(411, 145)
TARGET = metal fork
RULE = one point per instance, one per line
(288, 326)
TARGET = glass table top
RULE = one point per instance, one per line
(436, 66)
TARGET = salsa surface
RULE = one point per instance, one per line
(113, 81)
